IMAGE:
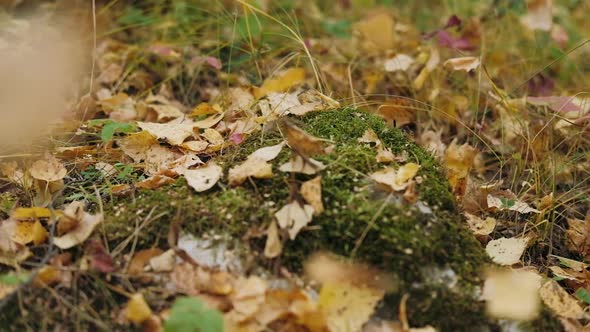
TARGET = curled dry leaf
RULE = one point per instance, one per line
(577, 236)
(559, 301)
(204, 177)
(458, 161)
(273, 246)
(396, 179)
(256, 165)
(154, 181)
(50, 169)
(467, 63)
(29, 231)
(507, 251)
(294, 217)
(480, 226)
(311, 191)
(84, 224)
(512, 294)
(301, 142)
(141, 259)
(163, 262)
(298, 164)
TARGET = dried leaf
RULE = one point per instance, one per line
(204, 177)
(84, 225)
(273, 246)
(294, 217)
(400, 62)
(347, 307)
(480, 226)
(298, 164)
(376, 32)
(502, 203)
(283, 82)
(396, 179)
(467, 63)
(50, 169)
(311, 191)
(171, 132)
(256, 165)
(164, 262)
(301, 142)
(559, 301)
(137, 310)
(141, 259)
(154, 182)
(507, 251)
(539, 15)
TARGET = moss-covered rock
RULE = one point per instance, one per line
(436, 259)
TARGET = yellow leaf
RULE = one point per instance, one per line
(376, 32)
(137, 309)
(282, 83)
(205, 109)
(347, 307)
(39, 233)
(47, 275)
(31, 213)
(558, 300)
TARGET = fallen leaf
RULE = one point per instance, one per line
(50, 169)
(401, 62)
(84, 225)
(137, 310)
(33, 213)
(502, 203)
(141, 259)
(559, 301)
(507, 251)
(171, 132)
(301, 142)
(458, 161)
(480, 226)
(376, 33)
(248, 298)
(347, 307)
(204, 177)
(512, 294)
(137, 145)
(577, 235)
(154, 182)
(281, 83)
(46, 276)
(298, 164)
(273, 246)
(213, 136)
(256, 165)
(163, 262)
(396, 179)
(467, 63)
(539, 15)
(311, 191)
(205, 109)
(294, 217)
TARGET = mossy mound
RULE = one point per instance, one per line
(437, 260)
(426, 245)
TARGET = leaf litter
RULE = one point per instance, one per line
(178, 139)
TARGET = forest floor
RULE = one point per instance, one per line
(496, 91)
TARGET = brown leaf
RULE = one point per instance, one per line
(311, 191)
(301, 142)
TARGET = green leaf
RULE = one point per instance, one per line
(583, 295)
(507, 203)
(191, 315)
(338, 29)
(109, 130)
(13, 279)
